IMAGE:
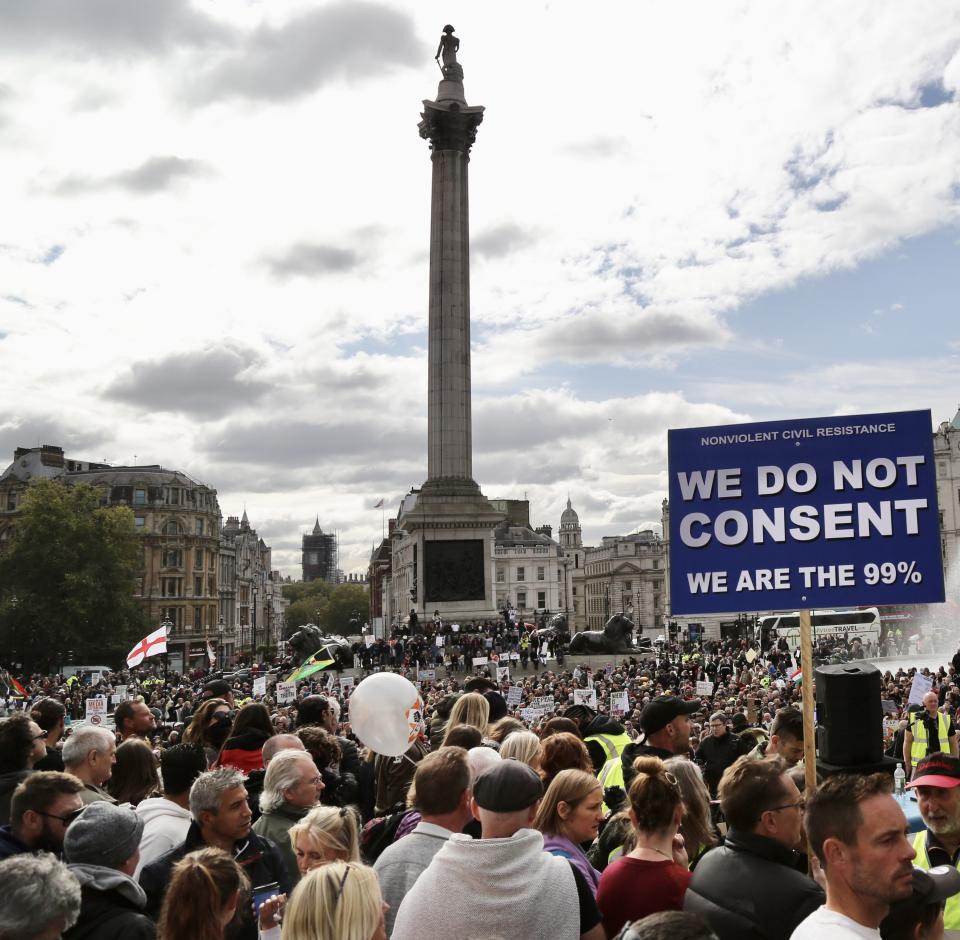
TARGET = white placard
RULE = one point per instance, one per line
(286, 692)
(619, 704)
(751, 655)
(455, 627)
(586, 697)
(121, 692)
(544, 701)
(921, 685)
(115, 700)
(96, 710)
(369, 640)
(531, 714)
(515, 657)
(705, 688)
(259, 686)
(503, 673)
(331, 681)
(480, 661)
(515, 695)
(425, 674)
(346, 683)
(96, 678)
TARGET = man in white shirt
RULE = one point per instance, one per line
(860, 838)
(442, 785)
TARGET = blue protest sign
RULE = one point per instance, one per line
(817, 512)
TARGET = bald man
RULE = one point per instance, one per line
(928, 732)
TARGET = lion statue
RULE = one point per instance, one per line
(615, 637)
(556, 627)
(309, 638)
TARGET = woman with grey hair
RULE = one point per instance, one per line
(291, 788)
(41, 897)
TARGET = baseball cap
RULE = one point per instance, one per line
(937, 770)
(507, 787)
(663, 709)
(936, 884)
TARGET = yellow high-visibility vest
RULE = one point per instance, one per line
(612, 744)
(951, 913)
(918, 748)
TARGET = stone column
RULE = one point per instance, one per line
(451, 127)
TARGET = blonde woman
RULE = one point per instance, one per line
(524, 746)
(326, 834)
(339, 901)
(470, 709)
(570, 814)
(695, 827)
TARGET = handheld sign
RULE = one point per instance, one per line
(503, 673)
(515, 695)
(618, 703)
(286, 692)
(259, 686)
(96, 710)
(921, 685)
(817, 512)
(705, 689)
(586, 697)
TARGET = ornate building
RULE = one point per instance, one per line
(573, 553)
(319, 555)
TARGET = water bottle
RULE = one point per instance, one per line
(899, 779)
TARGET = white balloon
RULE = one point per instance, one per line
(386, 713)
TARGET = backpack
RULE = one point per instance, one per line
(380, 832)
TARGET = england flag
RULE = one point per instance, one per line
(151, 645)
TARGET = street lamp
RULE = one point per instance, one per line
(221, 659)
(256, 593)
(167, 625)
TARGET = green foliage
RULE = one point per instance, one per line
(67, 580)
(327, 605)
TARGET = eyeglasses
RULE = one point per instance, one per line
(66, 820)
(800, 805)
(41, 735)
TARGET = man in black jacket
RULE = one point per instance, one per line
(221, 819)
(750, 888)
(325, 712)
(102, 847)
(717, 752)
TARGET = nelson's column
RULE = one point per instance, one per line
(446, 550)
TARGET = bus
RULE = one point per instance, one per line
(864, 624)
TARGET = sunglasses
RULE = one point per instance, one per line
(67, 819)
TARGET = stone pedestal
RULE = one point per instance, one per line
(451, 522)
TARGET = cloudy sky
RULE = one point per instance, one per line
(214, 222)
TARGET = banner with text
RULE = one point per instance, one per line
(817, 512)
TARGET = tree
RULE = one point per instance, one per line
(68, 577)
(329, 606)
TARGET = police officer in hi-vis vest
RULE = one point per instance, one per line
(929, 732)
(937, 782)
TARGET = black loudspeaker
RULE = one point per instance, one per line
(849, 716)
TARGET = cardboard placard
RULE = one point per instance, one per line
(543, 701)
(369, 640)
(346, 683)
(96, 710)
(480, 661)
(121, 692)
(531, 714)
(286, 692)
(515, 695)
(586, 697)
(503, 673)
(705, 688)
(515, 657)
(921, 685)
(425, 674)
(259, 686)
(619, 704)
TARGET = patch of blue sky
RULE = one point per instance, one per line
(397, 344)
(52, 254)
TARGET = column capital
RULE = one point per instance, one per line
(450, 127)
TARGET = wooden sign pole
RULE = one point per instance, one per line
(809, 738)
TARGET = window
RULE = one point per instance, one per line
(210, 589)
(574, 590)
(199, 527)
(656, 564)
(198, 585)
(656, 601)
(173, 496)
(658, 584)
(171, 528)
(139, 497)
(501, 575)
(198, 558)
(139, 521)
(197, 618)
(521, 599)
(11, 501)
(541, 599)
(541, 574)
(521, 574)
(628, 585)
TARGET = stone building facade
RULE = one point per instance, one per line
(627, 573)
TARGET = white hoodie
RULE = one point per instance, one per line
(165, 827)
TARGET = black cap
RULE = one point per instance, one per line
(662, 710)
(479, 684)
(507, 787)
(216, 688)
(498, 705)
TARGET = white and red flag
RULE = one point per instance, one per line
(151, 645)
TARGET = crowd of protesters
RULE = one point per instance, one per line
(533, 804)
